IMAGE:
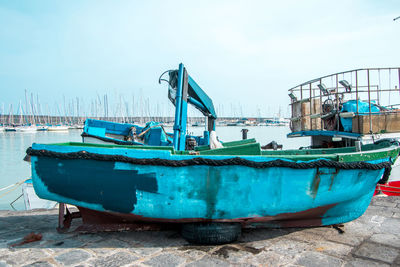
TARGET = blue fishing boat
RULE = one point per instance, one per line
(211, 190)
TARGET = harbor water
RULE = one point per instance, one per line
(14, 144)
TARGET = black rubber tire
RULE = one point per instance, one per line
(211, 233)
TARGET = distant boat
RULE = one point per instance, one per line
(276, 122)
(2, 129)
(10, 129)
(75, 126)
(58, 128)
(42, 128)
(196, 124)
(27, 129)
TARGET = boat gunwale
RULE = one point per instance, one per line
(390, 151)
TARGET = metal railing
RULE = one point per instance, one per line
(376, 86)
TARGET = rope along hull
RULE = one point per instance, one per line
(179, 189)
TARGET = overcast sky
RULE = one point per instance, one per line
(240, 52)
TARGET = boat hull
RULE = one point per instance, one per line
(276, 196)
(58, 128)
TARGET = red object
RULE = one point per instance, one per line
(32, 237)
(391, 189)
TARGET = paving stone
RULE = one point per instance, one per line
(117, 259)
(357, 262)
(306, 235)
(386, 239)
(358, 228)
(383, 201)
(288, 247)
(396, 261)
(62, 245)
(379, 210)
(39, 264)
(191, 253)
(19, 257)
(158, 239)
(270, 258)
(143, 251)
(332, 248)
(73, 257)
(106, 246)
(377, 252)
(4, 264)
(347, 237)
(89, 238)
(236, 254)
(311, 259)
(208, 261)
(4, 251)
(165, 259)
(390, 226)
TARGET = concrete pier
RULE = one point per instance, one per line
(371, 240)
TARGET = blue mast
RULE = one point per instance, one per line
(180, 110)
(183, 90)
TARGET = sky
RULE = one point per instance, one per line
(244, 54)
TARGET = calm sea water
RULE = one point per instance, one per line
(14, 144)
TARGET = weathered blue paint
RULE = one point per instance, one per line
(202, 192)
(100, 127)
(112, 132)
(78, 182)
(197, 93)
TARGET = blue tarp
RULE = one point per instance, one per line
(351, 106)
(155, 135)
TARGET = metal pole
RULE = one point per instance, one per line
(398, 70)
(310, 108)
(301, 108)
(337, 102)
(357, 116)
(178, 111)
(320, 103)
(369, 102)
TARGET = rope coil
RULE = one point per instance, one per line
(219, 162)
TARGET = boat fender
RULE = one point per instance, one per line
(214, 143)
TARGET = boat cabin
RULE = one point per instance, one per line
(339, 109)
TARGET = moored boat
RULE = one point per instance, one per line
(106, 132)
(57, 128)
(232, 184)
(27, 129)
(10, 129)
